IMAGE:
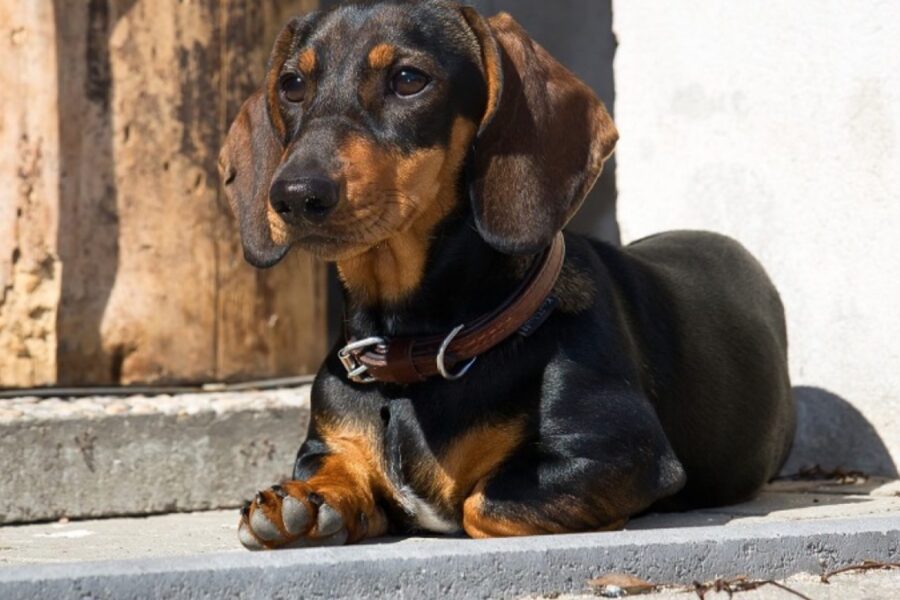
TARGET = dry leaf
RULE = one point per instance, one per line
(628, 584)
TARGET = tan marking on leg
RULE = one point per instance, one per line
(350, 478)
(382, 56)
(449, 478)
(479, 524)
(474, 456)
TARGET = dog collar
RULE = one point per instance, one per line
(406, 360)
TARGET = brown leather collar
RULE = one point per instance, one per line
(408, 360)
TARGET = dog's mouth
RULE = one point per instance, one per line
(346, 234)
(330, 248)
(335, 245)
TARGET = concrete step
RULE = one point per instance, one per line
(106, 456)
(796, 527)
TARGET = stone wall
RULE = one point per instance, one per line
(779, 123)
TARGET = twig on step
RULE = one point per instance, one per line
(869, 565)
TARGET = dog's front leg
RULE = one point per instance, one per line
(335, 503)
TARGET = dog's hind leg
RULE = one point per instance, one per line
(592, 467)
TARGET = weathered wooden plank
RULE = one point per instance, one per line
(153, 287)
(29, 265)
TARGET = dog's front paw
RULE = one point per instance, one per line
(293, 515)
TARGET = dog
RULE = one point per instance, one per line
(497, 377)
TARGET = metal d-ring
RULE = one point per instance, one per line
(442, 368)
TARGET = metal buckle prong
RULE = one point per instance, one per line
(441, 357)
(356, 371)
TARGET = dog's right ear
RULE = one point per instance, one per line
(247, 163)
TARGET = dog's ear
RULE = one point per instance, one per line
(253, 149)
(247, 163)
(541, 144)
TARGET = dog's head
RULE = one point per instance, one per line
(375, 119)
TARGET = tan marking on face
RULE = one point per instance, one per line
(306, 62)
(382, 56)
(279, 56)
(281, 235)
(396, 201)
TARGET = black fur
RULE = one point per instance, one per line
(670, 392)
(668, 389)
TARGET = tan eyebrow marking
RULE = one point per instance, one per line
(381, 56)
(307, 61)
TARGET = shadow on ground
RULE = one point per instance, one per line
(832, 434)
(832, 438)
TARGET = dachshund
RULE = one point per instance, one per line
(497, 376)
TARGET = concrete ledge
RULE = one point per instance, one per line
(139, 455)
(464, 568)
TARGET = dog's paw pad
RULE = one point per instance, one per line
(290, 518)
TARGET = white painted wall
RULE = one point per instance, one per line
(778, 123)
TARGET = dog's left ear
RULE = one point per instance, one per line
(541, 144)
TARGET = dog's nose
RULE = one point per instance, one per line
(307, 198)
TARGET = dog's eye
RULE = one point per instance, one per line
(409, 82)
(293, 88)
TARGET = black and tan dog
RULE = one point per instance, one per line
(435, 156)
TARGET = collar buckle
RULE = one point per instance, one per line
(349, 355)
